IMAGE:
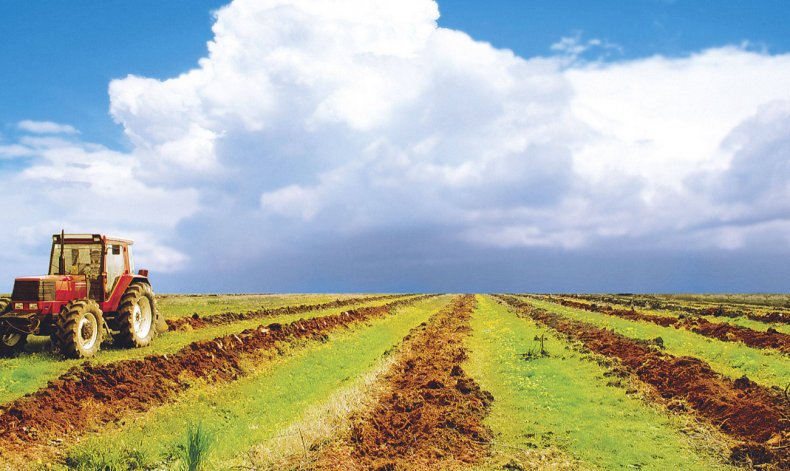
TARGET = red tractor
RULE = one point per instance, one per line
(91, 289)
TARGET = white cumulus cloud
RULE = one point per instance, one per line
(304, 113)
(85, 188)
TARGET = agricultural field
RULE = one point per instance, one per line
(416, 381)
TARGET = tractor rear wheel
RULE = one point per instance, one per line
(11, 341)
(136, 318)
(78, 330)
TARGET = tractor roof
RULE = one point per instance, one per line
(88, 238)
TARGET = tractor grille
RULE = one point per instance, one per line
(34, 291)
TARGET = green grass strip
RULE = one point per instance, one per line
(732, 359)
(257, 408)
(29, 372)
(563, 401)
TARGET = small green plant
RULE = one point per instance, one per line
(196, 450)
(537, 352)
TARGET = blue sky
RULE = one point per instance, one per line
(59, 57)
(286, 175)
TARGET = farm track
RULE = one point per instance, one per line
(197, 322)
(717, 330)
(430, 412)
(772, 317)
(95, 395)
(752, 414)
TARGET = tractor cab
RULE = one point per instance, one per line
(96, 260)
(91, 281)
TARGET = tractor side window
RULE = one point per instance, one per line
(115, 265)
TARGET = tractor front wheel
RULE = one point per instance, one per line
(11, 341)
(136, 318)
(79, 329)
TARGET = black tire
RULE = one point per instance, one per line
(137, 316)
(79, 329)
(12, 342)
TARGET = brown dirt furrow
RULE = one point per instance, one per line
(717, 330)
(91, 395)
(771, 317)
(197, 322)
(429, 414)
(756, 416)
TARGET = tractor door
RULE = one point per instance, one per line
(115, 266)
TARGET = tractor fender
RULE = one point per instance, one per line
(120, 289)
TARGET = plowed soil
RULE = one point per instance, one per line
(197, 322)
(94, 395)
(754, 415)
(720, 311)
(717, 330)
(430, 414)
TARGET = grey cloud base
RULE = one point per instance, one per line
(412, 262)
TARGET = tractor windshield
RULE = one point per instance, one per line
(81, 259)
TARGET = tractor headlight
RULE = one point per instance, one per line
(19, 306)
(32, 306)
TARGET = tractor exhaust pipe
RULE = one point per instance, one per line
(62, 261)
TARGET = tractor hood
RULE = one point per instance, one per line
(46, 287)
